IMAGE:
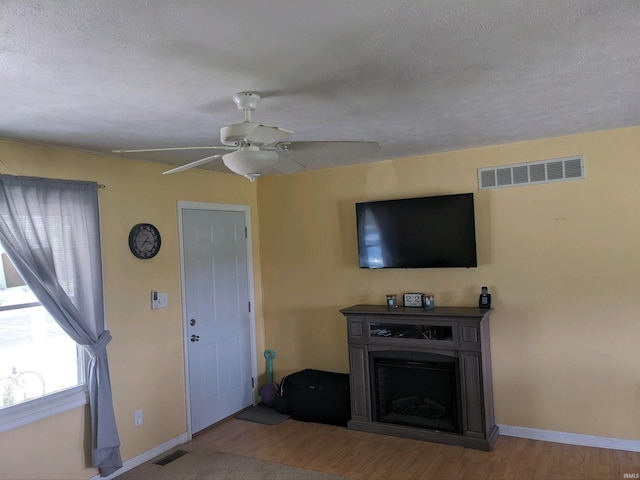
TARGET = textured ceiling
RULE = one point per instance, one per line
(416, 76)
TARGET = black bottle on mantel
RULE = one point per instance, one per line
(485, 298)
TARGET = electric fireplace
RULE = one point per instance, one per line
(422, 374)
(416, 389)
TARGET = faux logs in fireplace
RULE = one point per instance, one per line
(422, 374)
(416, 389)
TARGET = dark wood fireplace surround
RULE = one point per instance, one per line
(468, 343)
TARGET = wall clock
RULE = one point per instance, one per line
(144, 240)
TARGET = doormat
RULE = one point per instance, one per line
(262, 414)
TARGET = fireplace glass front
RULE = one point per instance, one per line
(416, 389)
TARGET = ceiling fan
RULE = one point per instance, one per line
(254, 148)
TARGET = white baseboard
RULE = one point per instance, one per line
(146, 456)
(570, 438)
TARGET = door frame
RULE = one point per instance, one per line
(185, 205)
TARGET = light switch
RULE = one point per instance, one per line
(162, 301)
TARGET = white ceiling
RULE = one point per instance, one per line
(416, 76)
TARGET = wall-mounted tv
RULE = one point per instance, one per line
(426, 232)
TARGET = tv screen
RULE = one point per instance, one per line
(425, 232)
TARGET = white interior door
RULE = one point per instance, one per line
(217, 313)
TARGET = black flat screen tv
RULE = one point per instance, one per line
(426, 232)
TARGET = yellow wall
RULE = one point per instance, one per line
(146, 353)
(561, 260)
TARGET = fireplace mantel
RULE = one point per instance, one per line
(458, 333)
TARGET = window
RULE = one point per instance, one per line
(37, 358)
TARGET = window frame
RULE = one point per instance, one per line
(48, 405)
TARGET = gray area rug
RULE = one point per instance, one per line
(202, 464)
(262, 414)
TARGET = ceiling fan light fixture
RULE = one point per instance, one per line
(250, 162)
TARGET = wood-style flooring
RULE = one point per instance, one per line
(361, 455)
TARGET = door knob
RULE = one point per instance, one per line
(192, 322)
(195, 338)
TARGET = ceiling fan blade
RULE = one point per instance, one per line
(191, 164)
(207, 147)
(286, 165)
(348, 147)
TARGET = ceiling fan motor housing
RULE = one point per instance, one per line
(252, 133)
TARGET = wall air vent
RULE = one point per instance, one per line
(556, 170)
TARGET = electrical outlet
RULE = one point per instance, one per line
(137, 417)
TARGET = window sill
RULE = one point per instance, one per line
(39, 408)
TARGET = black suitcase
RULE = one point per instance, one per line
(282, 402)
(318, 396)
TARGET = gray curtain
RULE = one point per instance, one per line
(50, 230)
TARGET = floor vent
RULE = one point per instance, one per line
(170, 458)
(556, 170)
